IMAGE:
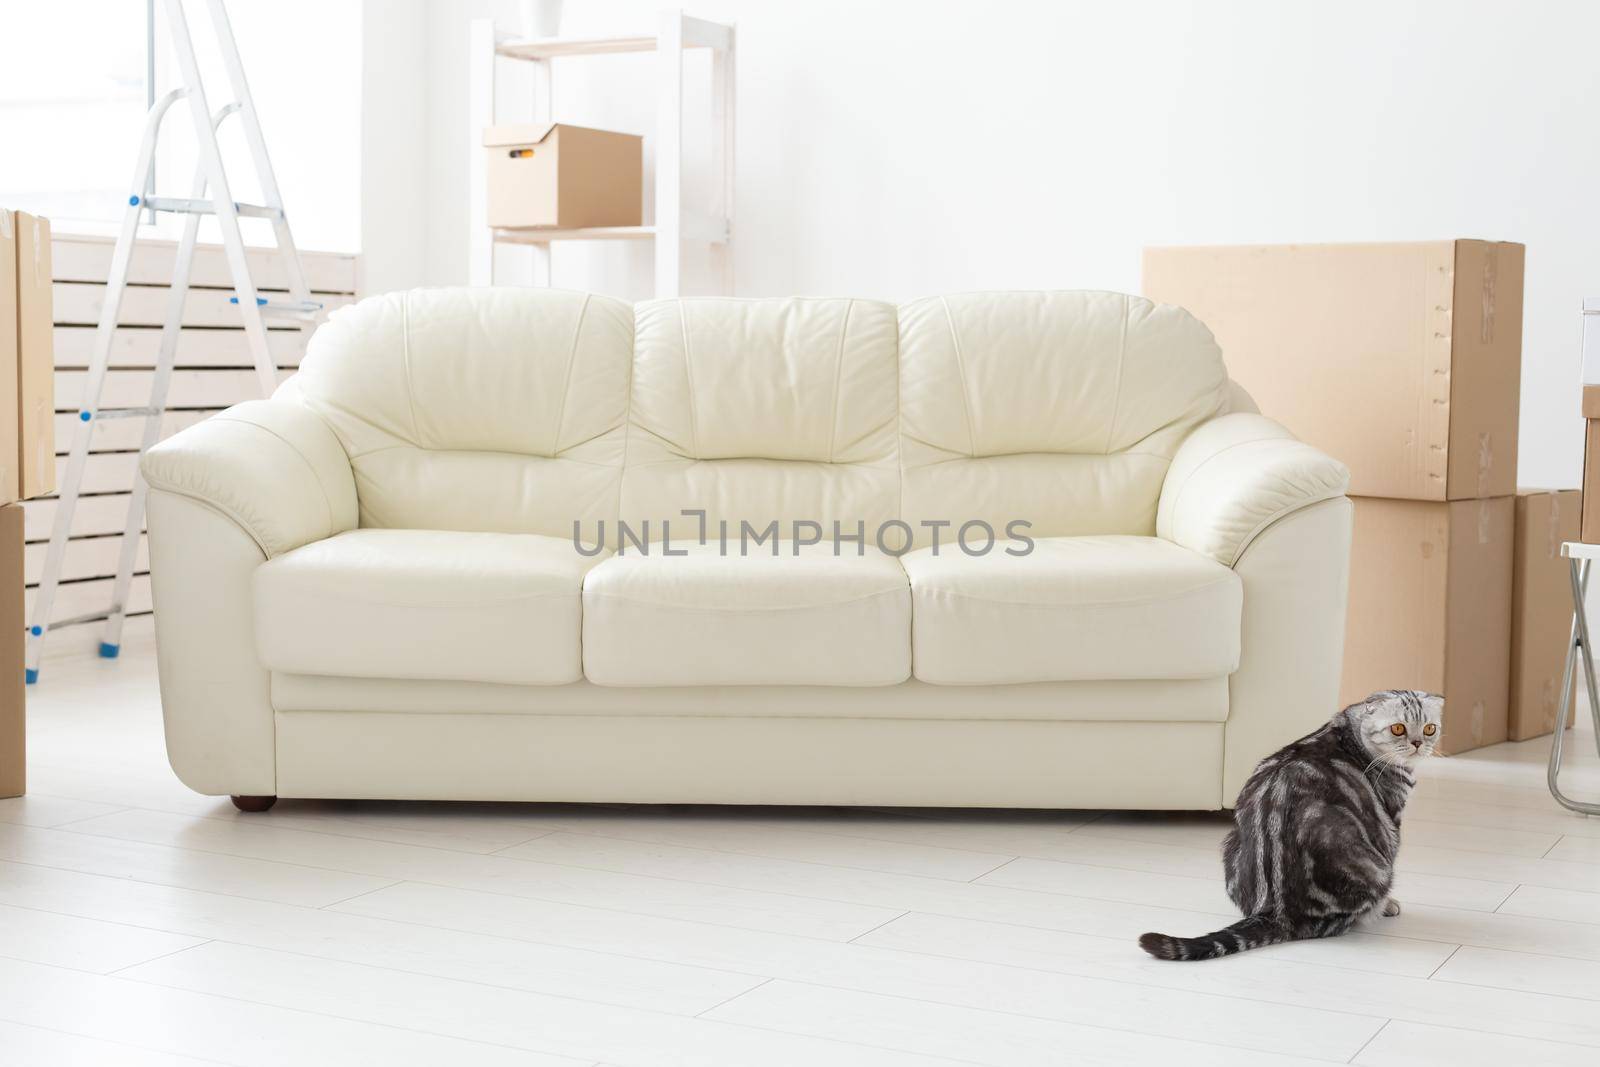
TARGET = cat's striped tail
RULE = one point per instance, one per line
(1253, 931)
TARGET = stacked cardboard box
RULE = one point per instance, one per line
(1404, 361)
(1541, 608)
(27, 450)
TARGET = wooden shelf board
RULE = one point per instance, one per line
(588, 233)
(554, 47)
(712, 230)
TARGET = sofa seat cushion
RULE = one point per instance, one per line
(707, 618)
(1074, 609)
(425, 604)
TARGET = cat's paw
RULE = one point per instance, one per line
(1391, 908)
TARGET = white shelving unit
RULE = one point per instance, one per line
(673, 226)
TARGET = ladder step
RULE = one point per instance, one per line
(93, 616)
(300, 309)
(183, 205)
(123, 413)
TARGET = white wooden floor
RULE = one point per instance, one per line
(142, 924)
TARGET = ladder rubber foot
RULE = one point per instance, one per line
(30, 675)
(108, 650)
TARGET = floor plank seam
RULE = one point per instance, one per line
(880, 926)
(978, 877)
(358, 896)
(1369, 1041)
(730, 1000)
(164, 955)
(1444, 961)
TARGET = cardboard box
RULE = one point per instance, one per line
(13, 720)
(1541, 608)
(562, 176)
(1402, 360)
(8, 354)
(36, 364)
(1430, 608)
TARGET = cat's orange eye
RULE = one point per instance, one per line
(1430, 729)
(1398, 729)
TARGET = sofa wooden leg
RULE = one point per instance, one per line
(254, 803)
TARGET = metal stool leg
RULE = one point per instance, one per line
(1577, 644)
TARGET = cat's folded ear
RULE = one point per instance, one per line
(1432, 703)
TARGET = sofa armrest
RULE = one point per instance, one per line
(271, 466)
(1235, 476)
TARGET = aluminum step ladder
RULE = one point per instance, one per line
(210, 195)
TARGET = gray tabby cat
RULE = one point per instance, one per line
(1317, 826)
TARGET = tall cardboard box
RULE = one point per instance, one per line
(1402, 360)
(9, 486)
(34, 379)
(13, 723)
(1430, 608)
(567, 177)
(1541, 608)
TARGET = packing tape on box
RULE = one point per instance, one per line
(1552, 541)
(1477, 722)
(38, 253)
(5, 224)
(1485, 462)
(1483, 522)
(1490, 270)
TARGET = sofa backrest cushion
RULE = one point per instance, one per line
(477, 409)
(527, 410)
(762, 410)
(1063, 409)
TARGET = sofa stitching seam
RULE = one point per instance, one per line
(838, 376)
(627, 413)
(961, 369)
(566, 381)
(405, 357)
(1188, 479)
(291, 446)
(1132, 602)
(225, 512)
(688, 377)
(1281, 513)
(703, 609)
(1122, 363)
(348, 598)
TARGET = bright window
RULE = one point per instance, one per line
(72, 102)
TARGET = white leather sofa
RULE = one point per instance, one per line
(369, 586)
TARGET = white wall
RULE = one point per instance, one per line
(303, 61)
(394, 203)
(903, 147)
